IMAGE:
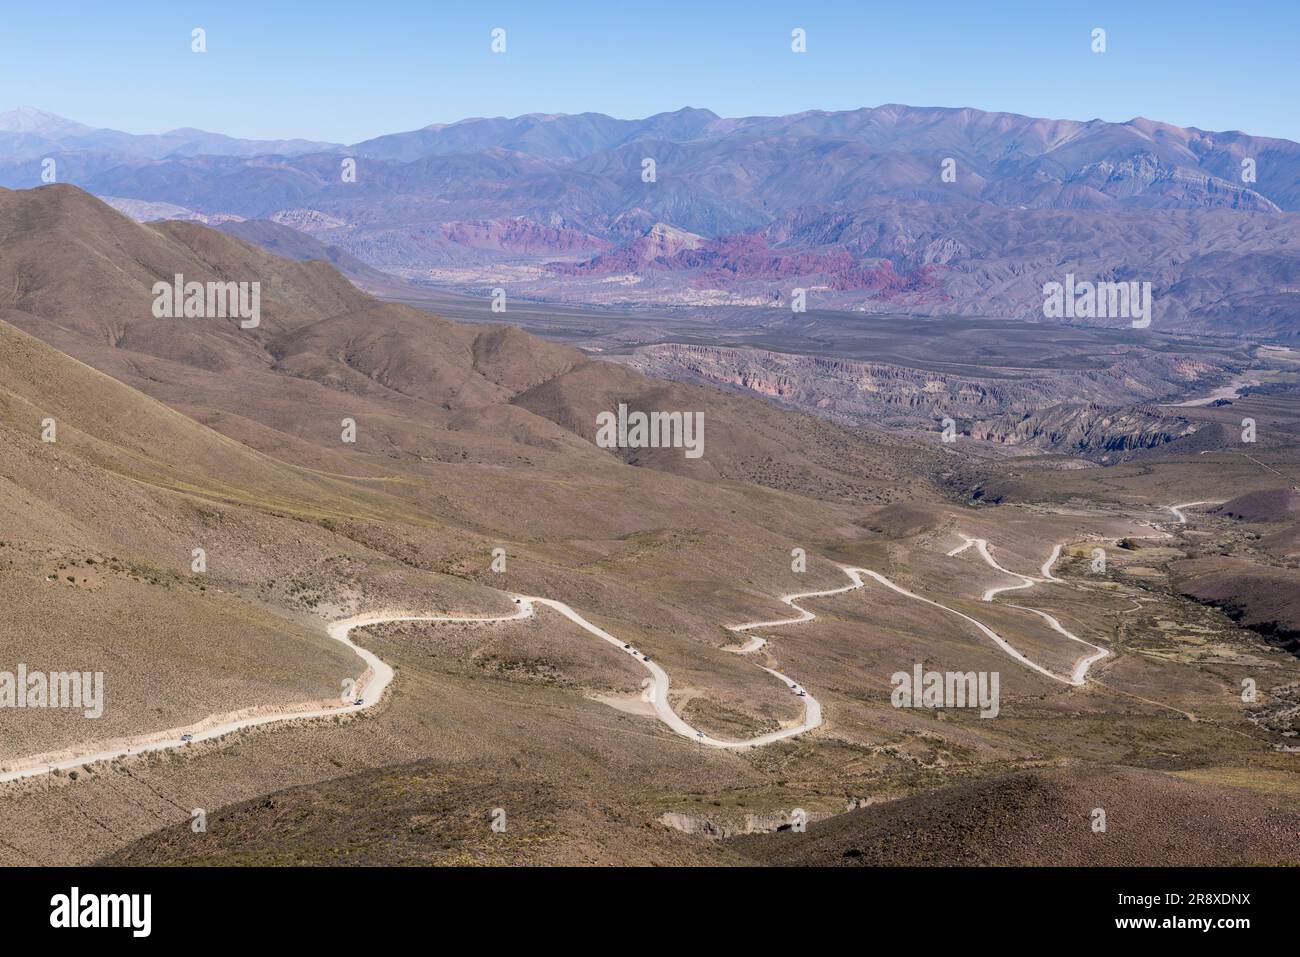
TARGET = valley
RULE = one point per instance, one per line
(474, 478)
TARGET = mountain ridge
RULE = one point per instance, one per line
(934, 210)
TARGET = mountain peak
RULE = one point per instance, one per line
(670, 233)
(27, 119)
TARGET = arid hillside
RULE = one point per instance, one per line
(1152, 819)
(418, 387)
(204, 435)
(130, 439)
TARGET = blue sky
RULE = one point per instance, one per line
(345, 71)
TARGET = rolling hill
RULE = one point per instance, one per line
(183, 433)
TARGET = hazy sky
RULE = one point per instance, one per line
(345, 71)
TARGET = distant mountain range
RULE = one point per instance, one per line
(854, 206)
(27, 134)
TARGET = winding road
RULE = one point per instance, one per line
(374, 682)
(812, 715)
(1178, 509)
(1080, 671)
(378, 675)
(1077, 675)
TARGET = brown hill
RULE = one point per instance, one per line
(1044, 819)
(200, 433)
(177, 434)
(289, 243)
(419, 387)
(203, 434)
(1262, 597)
(1267, 505)
(96, 533)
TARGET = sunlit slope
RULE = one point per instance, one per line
(80, 276)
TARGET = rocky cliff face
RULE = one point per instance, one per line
(519, 235)
(857, 392)
(1103, 414)
(1092, 431)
